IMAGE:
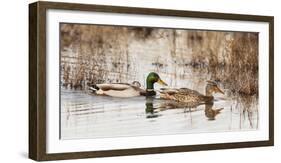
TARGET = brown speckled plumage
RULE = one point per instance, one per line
(187, 95)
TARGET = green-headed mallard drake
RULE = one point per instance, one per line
(129, 90)
(186, 95)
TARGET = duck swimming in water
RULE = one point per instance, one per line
(186, 95)
(129, 90)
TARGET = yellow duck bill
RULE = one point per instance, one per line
(162, 82)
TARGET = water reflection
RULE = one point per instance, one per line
(91, 116)
(150, 110)
(211, 112)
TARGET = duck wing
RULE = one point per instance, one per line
(189, 96)
(114, 86)
(169, 91)
(187, 91)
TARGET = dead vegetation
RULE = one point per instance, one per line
(94, 54)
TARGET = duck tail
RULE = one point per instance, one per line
(94, 88)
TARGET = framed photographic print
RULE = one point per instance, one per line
(112, 81)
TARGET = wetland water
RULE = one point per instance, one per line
(86, 115)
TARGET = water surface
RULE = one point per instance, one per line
(85, 115)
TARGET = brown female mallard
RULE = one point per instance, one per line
(187, 95)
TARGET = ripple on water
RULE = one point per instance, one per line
(90, 116)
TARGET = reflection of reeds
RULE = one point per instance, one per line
(246, 107)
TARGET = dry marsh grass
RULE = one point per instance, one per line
(94, 54)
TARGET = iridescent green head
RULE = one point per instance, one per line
(151, 79)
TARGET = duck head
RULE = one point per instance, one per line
(151, 79)
(212, 87)
(136, 84)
